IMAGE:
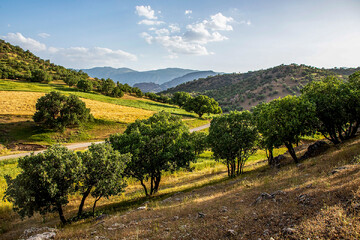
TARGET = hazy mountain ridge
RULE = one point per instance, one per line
(153, 87)
(131, 77)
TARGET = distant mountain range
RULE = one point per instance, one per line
(129, 76)
(153, 87)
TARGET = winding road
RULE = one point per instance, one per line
(84, 145)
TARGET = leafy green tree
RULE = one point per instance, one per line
(85, 85)
(157, 144)
(284, 120)
(71, 80)
(180, 98)
(337, 107)
(45, 182)
(57, 111)
(202, 104)
(107, 86)
(233, 138)
(199, 140)
(42, 76)
(102, 174)
(137, 92)
(117, 92)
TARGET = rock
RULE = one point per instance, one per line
(336, 170)
(304, 199)
(288, 231)
(201, 215)
(39, 233)
(315, 149)
(262, 196)
(43, 236)
(231, 232)
(141, 208)
(224, 209)
(176, 217)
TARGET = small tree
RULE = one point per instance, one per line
(39, 75)
(284, 120)
(45, 182)
(102, 174)
(117, 92)
(107, 86)
(57, 111)
(336, 105)
(233, 138)
(180, 98)
(85, 85)
(202, 104)
(71, 80)
(157, 144)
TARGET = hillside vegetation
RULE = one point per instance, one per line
(240, 91)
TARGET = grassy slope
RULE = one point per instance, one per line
(314, 203)
(22, 128)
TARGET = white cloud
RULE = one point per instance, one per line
(219, 22)
(26, 43)
(75, 57)
(248, 22)
(145, 11)
(193, 41)
(187, 12)
(150, 22)
(44, 35)
(174, 28)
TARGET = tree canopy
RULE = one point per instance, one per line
(284, 120)
(202, 104)
(159, 143)
(57, 111)
(233, 138)
(45, 182)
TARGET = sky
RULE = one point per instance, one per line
(224, 36)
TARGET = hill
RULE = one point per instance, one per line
(15, 63)
(317, 199)
(153, 87)
(129, 76)
(240, 91)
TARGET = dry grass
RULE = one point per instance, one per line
(314, 204)
(23, 103)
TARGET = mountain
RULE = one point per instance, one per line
(129, 76)
(153, 87)
(106, 72)
(238, 91)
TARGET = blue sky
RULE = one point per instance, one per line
(225, 36)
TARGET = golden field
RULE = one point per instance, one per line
(23, 103)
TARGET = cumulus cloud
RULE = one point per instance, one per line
(27, 43)
(187, 12)
(145, 11)
(195, 37)
(44, 35)
(75, 57)
(150, 22)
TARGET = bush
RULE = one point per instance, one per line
(57, 111)
(39, 75)
(85, 85)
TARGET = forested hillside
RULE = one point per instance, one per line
(239, 91)
(16, 63)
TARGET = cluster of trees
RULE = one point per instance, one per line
(145, 150)
(57, 111)
(330, 106)
(48, 179)
(200, 104)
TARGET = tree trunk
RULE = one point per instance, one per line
(151, 185)
(354, 130)
(292, 152)
(228, 167)
(145, 189)
(85, 195)
(270, 157)
(157, 183)
(96, 200)
(238, 166)
(61, 214)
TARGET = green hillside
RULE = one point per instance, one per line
(240, 91)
